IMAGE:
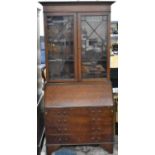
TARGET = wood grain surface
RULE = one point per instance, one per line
(82, 94)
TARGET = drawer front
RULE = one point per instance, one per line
(78, 112)
(75, 120)
(79, 139)
(70, 129)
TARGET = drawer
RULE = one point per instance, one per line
(72, 120)
(79, 139)
(78, 128)
(76, 112)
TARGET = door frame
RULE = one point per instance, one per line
(74, 40)
(107, 48)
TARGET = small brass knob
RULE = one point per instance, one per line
(93, 119)
(64, 112)
(99, 111)
(99, 129)
(59, 139)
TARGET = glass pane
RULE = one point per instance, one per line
(94, 46)
(60, 47)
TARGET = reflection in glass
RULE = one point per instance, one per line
(60, 47)
(94, 45)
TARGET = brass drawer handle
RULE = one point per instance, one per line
(93, 119)
(99, 111)
(92, 111)
(64, 120)
(98, 138)
(59, 139)
(64, 112)
(98, 129)
(92, 138)
(65, 129)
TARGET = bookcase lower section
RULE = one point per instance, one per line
(79, 126)
(79, 114)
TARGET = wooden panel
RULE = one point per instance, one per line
(50, 3)
(76, 112)
(76, 8)
(79, 120)
(76, 129)
(79, 95)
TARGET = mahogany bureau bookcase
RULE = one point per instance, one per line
(78, 94)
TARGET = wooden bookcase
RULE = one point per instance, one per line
(78, 95)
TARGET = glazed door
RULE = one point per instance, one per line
(93, 47)
(61, 47)
(77, 46)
